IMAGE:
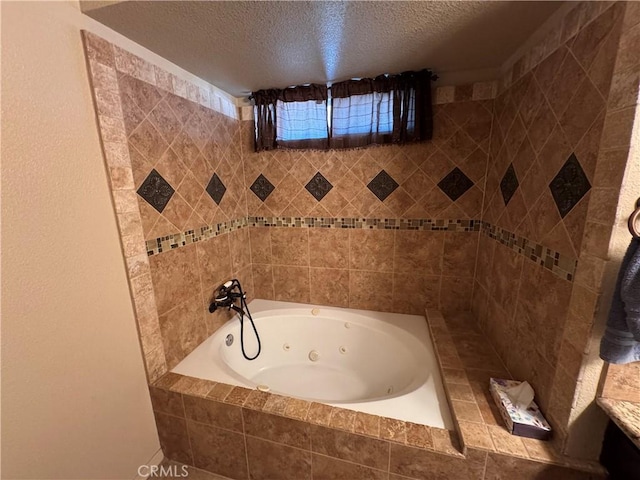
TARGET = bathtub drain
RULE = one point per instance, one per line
(314, 356)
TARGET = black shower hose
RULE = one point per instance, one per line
(243, 307)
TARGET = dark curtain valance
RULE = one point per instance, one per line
(381, 110)
(363, 86)
(302, 93)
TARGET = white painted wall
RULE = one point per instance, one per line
(74, 396)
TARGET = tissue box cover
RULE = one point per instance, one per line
(524, 423)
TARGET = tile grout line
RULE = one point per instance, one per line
(273, 269)
(393, 270)
(244, 439)
(309, 264)
(349, 269)
(389, 461)
(484, 201)
(184, 411)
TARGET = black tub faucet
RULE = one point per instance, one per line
(226, 296)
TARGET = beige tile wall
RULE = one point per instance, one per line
(385, 270)
(401, 271)
(186, 143)
(461, 139)
(569, 102)
(150, 119)
(184, 281)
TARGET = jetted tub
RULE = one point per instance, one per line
(373, 362)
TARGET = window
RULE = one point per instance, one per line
(294, 117)
(359, 114)
(362, 112)
(301, 120)
(354, 113)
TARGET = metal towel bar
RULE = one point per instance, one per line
(633, 220)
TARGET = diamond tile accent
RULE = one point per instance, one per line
(382, 185)
(569, 185)
(455, 183)
(216, 189)
(156, 191)
(509, 184)
(262, 187)
(318, 186)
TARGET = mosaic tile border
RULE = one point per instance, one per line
(368, 223)
(177, 240)
(560, 264)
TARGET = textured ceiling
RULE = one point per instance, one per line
(248, 45)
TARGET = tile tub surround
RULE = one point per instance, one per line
(437, 256)
(175, 164)
(250, 426)
(467, 362)
(558, 263)
(239, 433)
(555, 129)
(179, 169)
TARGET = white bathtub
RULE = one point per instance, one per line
(373, 362)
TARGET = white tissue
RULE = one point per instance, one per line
(521, 395)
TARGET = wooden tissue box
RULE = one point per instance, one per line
(524, 423)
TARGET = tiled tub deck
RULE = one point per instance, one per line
(241, 433)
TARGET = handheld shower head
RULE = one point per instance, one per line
(224, 296)
(223, 291)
